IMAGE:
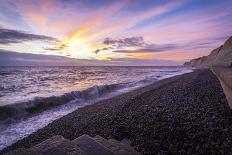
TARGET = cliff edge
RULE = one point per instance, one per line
(219, 57)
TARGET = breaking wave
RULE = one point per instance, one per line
(23, 109)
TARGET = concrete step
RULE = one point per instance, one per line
(83, 145)
(115, 146)
(125, 142)
(57, 145)
(91, 147)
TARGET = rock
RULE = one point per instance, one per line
(224, 57)
(57, 145)
(83, 145)
(91, 147)
(65, 148)
(49, 144)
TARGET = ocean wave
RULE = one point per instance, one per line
(143, 82)
(23, 109)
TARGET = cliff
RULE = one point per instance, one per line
(220, 57)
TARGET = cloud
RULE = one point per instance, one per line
(120, 45)
(9, 36)
(10, 58)
(125, 42)
(159, 22)
(57, 47)
(143, 62)
(138, 45)
(103, 49)
(150, 48)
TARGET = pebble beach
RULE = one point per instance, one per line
(186, 114)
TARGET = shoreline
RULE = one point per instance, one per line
(156, 124)
(22, 119)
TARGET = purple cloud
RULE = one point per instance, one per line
(121, 43)
(150, 48)
(57, 47)
(125, 42)
(138, 42)
(103, 49)
(10, 58)
(9, 36)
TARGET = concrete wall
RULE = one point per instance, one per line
(224, 74)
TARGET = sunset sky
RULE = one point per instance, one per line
(107, 30)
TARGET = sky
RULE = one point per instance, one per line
(123, 31)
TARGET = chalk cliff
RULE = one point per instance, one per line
(220, 57)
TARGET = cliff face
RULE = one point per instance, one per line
(220, 57)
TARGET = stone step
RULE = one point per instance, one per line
(57, 145)
(91, 147)
(126, 142)
(115, 146)
(83, 145)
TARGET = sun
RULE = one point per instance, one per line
(77, 49)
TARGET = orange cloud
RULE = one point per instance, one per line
(104, 58)
(141, 55)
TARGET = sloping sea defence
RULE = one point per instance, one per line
(183, 114)
(220, 62)
(225, 77)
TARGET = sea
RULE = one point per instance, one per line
(33, 97)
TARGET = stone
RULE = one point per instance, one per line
(49, 144)
(91, 147)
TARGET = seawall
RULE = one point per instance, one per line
(224, 74)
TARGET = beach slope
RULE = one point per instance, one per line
(184, 114)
